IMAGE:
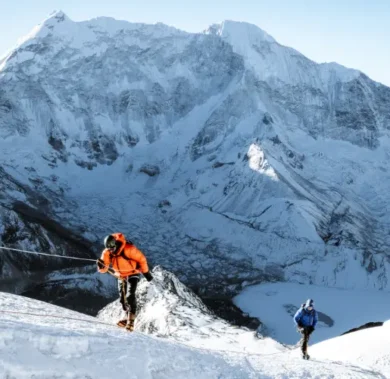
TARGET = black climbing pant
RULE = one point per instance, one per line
(305, 336)
(127, 288)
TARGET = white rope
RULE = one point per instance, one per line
(62, 256)
(47, 254)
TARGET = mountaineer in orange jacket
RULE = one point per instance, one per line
(127, 263)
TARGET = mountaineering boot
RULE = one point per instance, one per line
(305, 356)
(130, 322)
(122, 323)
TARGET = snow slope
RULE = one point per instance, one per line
(369, 347)
(45, 347)
(72, 345)
(339, 310)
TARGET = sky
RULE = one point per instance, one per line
(354, 33)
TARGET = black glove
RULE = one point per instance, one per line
(148, 276)
(124, 306)
(100, 263)
(300, 325)
(310, 329)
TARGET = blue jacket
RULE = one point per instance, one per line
(305, 317)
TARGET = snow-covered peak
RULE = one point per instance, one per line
(335, 71)
(269, 60)
(171, 310)
(85, 38)
(59, 24)
(237, 32)
(57, 19)
(273, 61)
(112, 26)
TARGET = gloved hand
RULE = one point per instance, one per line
(310, 329)
(100, 263)
(124, 306)
(148, 276)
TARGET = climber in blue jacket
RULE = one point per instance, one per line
(306, 320)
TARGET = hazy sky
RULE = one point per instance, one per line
(354, 33)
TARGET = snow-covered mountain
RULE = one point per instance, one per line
(39, 340)
(225, 156)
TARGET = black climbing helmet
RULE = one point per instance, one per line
(110, 242)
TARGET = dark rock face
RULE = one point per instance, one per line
(24, 225)
(226, 309)
(78, 288)
(221, 164)
(365, 326)
(150, 170)
(33, 225)
(164, 203)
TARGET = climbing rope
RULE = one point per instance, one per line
(47, 254)
(111, 271)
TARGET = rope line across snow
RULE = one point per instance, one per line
(57, 256)
(47, 254)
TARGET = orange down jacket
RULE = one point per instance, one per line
(127, 261)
